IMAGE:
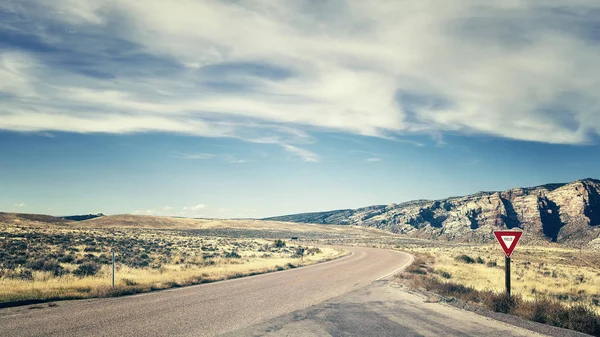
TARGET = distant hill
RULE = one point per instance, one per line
(82, 217)
(565, 213)
(227, 227)
(17, 218)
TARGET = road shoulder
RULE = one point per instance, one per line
(384, 308)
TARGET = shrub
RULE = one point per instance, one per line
(480, 260)
(415, 269)
(549, 311)
(51, 266)
(443, 274)
(26, 274)
(502, 302)
(23, 274)
(581, 318)
(313, 251)
(67, 259)
(491, 264)
(232, 255)
(129, 282)
(464, 258)
(37, 264)
(279, 243)
(87, 269)
(299, 252)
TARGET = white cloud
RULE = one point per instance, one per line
(518, 69)
(195, 155)
(234, 160)
(306, 155)
(21, 204)
(194, 208)
(373, 159)
(167, 208)
(144, 212)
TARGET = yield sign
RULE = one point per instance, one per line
(508, 240)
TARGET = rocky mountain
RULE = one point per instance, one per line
(567, 213)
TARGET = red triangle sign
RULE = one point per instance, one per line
(508, 240)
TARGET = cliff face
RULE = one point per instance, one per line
(567, 213)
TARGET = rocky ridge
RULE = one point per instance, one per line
(565, 213)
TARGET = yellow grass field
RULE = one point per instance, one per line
(568, 275)
(46, 286)
(50, 262)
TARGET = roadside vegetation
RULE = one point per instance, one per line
(461, 277)
(59, 262)
(570, 276)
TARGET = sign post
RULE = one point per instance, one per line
(508, 241)
(113, 268)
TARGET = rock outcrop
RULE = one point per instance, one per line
(567, 213)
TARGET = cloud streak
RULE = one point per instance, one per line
(517, 70)
(194, 208)
(304, 154)
(195, 155)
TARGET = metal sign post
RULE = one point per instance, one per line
(507, 274)
(508, 241)
(113, 268)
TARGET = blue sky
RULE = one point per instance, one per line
(253, 108)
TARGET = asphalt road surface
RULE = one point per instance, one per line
(385, 308)
(207, 309)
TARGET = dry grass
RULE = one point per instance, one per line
(570, 276)
(161, 222)
(41, 262)
(575, 316)
(46, 286)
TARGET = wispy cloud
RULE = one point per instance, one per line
(21, 204)
(144, 212)
(234, 160)
(521, 70)
(304, 154)
(470, 162)
(195, 155)
(194, 208)
(167, 208)
(205, 156)
(370, 156)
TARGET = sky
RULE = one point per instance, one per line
(256, 108)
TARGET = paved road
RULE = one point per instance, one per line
(383, 309)
(208, 309)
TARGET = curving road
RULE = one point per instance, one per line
(208, 309)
